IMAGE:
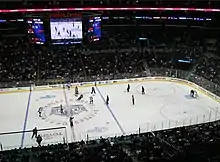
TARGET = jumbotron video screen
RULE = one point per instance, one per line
(66, 30)
(94, 29)
(36, 30)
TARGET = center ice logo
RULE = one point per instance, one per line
(74, 110)
(81, 110)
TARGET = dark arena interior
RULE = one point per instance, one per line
(61, 43)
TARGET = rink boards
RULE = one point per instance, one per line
(110, 82)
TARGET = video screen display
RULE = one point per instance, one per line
(36, 30)
(66, 30)
(94, 30)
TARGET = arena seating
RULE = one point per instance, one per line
(111, 56)
(200, 142)
(59, 62)
(209, 69)
(17, 63)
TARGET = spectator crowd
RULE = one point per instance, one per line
(193, 143)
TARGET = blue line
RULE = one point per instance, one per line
(116, 120)
(25, 120)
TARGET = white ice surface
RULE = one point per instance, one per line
(165, 105)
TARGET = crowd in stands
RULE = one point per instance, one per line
(59, 63)
(209, 68)
(193, 143)
(121, 53)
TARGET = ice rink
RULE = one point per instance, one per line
(165, 105)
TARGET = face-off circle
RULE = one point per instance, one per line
(176, 112)
(81, 111)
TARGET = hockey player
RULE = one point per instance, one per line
(61, 109)
(93, 90)
(80, 97)
(76, 91)
(191, 93)
(128, 88)
(132, 99)
(40, 111)
(39, 139)
(107, 100)
(58, 34)
(142, 90)
(68, 85)
(34, 133)
(91, 100)
(70, 33)
(71, 122)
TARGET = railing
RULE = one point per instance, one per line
(210, 115)
(11, 140)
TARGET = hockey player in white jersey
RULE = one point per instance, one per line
(91, 100)
(40, 111)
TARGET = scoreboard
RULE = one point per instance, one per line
(53, 29)
(94, 29)
(35, 29)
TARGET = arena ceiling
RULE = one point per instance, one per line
(5, 4)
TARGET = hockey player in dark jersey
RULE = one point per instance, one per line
(142, 90)
(71, 122)
(58, 33)
(68, 86)
(76, 91)
(128, 88)
(93, 90)
(34, 133)
(80, 97)
(61, 109)
(132, 99)
(107, 100)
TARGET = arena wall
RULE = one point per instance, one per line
(110, 82)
